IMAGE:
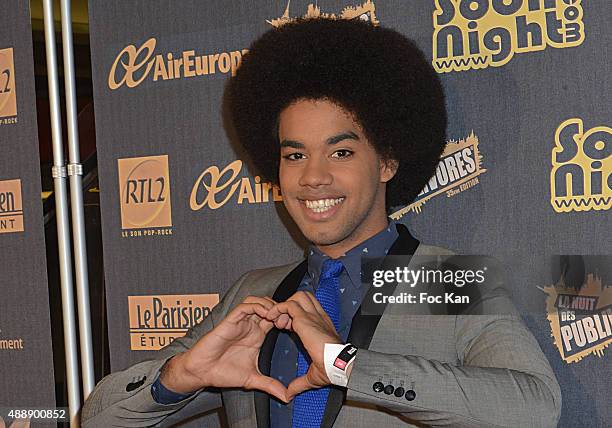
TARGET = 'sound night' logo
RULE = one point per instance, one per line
(475, 34)
(458, 170)
(580, 320)
(365, 11)
(581, 175)
(144, 185)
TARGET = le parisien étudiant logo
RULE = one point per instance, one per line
(458, 170)
(155, 321)
(8, 94)
(581, 175)
(11, 208)
(144, 193)
(475, 34)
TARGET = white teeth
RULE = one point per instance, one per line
(322, 205)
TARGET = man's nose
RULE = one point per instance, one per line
(315, 173)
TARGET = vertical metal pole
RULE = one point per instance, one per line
(75, 173)
(61, 210)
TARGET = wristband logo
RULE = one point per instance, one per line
(458, 170)
(581, 175)
(475, 34)
(365, 11)
(215, 187)
(11, 208)
(580, 320)
(8, 95)
(144, 194)
(155, 321)
(137, 64)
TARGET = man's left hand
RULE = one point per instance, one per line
(303, 314)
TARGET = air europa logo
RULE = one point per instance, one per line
(8, 95)
(475, 34)
(155, 321)
(581, 175)
(133, 66)
(144, 192)
(214, 188)
(458, 170)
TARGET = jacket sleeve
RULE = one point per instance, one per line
(501, 378)
(113, 403)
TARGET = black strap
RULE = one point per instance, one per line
(364, 326)
(285, 290)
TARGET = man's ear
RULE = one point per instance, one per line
(388, 169)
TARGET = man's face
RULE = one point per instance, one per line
(331, 178)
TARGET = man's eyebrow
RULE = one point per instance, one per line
(350, 135)
(292, 143)
(331, 140)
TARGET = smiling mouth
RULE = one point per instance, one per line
(322, 205)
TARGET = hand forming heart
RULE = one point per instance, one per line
(227, 357)
(303, 314)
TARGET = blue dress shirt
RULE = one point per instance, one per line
(352, 292)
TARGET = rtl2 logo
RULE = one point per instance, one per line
(144, 185)
(8, 98)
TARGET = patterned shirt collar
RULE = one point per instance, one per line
(375, 246)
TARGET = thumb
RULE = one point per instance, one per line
(298, 385)
(271, 386)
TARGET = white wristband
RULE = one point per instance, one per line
(336, 367)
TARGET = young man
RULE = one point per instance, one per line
(350, 119)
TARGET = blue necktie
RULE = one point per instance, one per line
(309, 406)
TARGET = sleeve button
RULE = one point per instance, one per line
(410, 395)
(399, 392)
(389, 389)
(378, 387)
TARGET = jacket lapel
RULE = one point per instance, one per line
(285, 290)
(364, 326)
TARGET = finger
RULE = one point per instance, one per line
(243, 310)
(282, 321)
(271, 386)
(270, 299)
(302, 297)
(265, 301)
(316, 304)
(297, 386)
(265, 325)
(290, 307)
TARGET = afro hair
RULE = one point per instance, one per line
(376, 74)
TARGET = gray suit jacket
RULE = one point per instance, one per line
(464, 370)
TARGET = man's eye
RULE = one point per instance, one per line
(294, 156)
(342, 153)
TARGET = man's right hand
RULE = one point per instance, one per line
(227, 356)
